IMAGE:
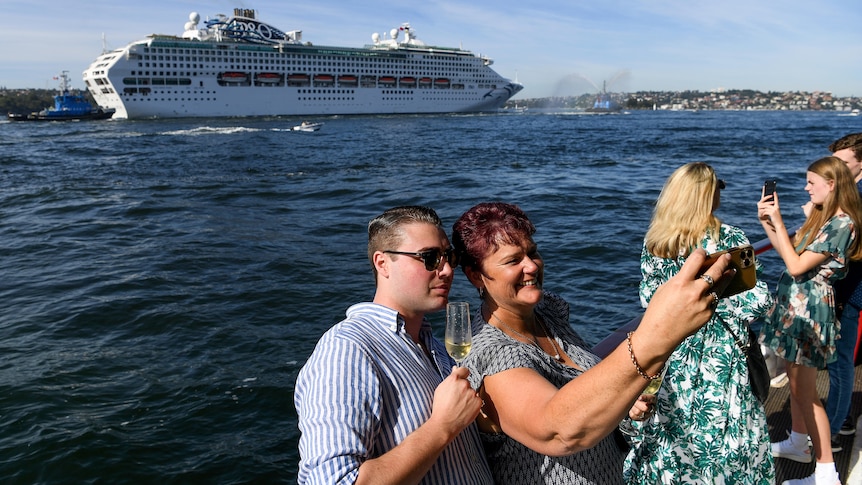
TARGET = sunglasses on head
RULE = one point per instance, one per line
(432, 258)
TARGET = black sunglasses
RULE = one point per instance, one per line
(433, 258)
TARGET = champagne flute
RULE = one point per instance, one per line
(652, 388)
(655, 384)
(459, 334)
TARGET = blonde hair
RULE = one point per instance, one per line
(844, 196)
(683, 212)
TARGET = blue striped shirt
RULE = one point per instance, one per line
(365, 388)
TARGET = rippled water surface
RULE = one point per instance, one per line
(164, 281)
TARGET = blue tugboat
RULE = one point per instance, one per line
(604, 103)
(67, 107)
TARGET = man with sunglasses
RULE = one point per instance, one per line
(379, 400)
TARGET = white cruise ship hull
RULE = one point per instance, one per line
(218, 76)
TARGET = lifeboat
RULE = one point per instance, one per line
(268, 78)
(323, 79)
(233, 77)
(441, 82)
(407, 82)
(298, 79)
(425, 82)
(386, 80)
(347, 80)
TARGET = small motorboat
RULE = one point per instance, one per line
(307, 126)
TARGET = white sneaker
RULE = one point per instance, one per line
(779, 381)
(809, 480)
(786, 449)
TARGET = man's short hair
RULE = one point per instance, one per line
(853, 140)
(384, 231)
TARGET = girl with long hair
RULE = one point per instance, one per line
(802, 326)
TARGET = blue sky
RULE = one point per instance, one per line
(558, 47)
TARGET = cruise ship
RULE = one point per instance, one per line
(240, 66)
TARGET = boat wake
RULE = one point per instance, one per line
(212, 130)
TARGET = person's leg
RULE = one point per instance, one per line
(803, 385)
(796, 446)
(797, 419)
(841, 372)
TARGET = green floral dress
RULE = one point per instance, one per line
(802, 327)
(708, 426)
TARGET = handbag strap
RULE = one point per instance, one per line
(743, 347)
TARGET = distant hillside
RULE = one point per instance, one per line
(735, 99)
(26, 101)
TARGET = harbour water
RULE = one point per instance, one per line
(164, 281)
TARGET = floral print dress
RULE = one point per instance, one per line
(708, 426)
(802, 327)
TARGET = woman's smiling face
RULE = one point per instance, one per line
(513, 275)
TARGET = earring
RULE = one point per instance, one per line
(481, 293)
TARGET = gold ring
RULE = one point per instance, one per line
(708, 279)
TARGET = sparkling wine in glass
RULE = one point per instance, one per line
(652, 388)
(459, 335)
(655, 384)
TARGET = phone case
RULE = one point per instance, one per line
(742, 259)
(769, 187)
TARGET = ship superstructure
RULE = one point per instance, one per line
(240, 66)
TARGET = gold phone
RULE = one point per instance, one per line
(742, 260)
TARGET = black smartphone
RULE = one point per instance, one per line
(769, 187)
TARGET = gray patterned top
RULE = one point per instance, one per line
(511, 462)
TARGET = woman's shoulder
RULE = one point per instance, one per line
(553, 306)
(837, 227)
(493, 352)
(732, 236)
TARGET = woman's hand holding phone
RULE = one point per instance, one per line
(768, 210)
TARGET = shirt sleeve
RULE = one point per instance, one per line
(337, 400)
(834, 237)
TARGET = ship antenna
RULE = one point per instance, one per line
(104, 44)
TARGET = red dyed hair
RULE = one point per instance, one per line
(485, 227)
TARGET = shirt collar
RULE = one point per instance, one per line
(394, 321)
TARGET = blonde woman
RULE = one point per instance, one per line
(802, 327)
(708, 426)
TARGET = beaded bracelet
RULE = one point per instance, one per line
(635, 361)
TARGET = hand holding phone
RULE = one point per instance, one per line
(742, 260)
(769, 187)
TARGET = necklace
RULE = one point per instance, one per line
(533, 340)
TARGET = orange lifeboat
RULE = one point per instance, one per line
(323, 79)
(298, 79)
(347, 80)
(268, 78)
(233, 77)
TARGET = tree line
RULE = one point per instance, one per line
(26, 101)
